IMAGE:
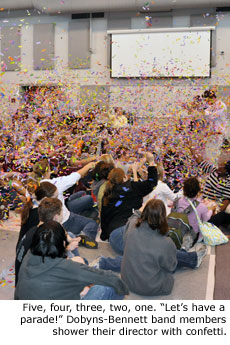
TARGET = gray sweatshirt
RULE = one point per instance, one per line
(149, 260)
(60, 279)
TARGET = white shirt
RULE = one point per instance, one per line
(63, 183)
(217, 114)
(164, 193)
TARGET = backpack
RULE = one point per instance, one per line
(176, 236)
(178, 224)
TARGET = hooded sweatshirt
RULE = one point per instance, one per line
(149, 259)
(60, 279)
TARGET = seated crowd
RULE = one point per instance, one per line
(123, 198)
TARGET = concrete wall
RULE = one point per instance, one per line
(149, 97)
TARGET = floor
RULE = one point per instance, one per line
(189, 284)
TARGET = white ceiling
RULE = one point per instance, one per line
(75, 6)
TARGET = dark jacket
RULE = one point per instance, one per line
(149, 259)
(126, 198)
(22, 248)
(60, 279)
(33, 220)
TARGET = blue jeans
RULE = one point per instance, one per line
(113, 264)
(184, 259)
(79, 202)
(116, 240)
(78, 224)
(74, 252)
(99, 292)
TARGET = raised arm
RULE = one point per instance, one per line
(75, 162)
(10, 174)
(135, 167)
(143, 188)
(65, 182)
(198, 157)
(83, 171)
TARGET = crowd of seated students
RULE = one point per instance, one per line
(48, 265)
(120, 195)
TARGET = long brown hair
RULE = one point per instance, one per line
(115, 178)
(31, 186)
(154, 214)
(26, 211)
(101, 171)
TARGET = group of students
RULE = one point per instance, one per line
(125, 200)
(126, 205)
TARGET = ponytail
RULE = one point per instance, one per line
(26, 211)
(115, 178)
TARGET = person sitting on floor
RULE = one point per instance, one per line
(122, 197)
(47, 274)
(74, 204)
(48, 209)
(71, 221)
(150, 257)
(29, 215)
(217, 186)
(191, 189)
(162, 191)
(100, 176)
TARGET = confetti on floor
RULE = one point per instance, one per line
(7, 277)
(12, 223)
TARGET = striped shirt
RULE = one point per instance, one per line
(216, 187)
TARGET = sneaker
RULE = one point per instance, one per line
(87, 242)
(187, 242)
(201, 252)
(95, 263)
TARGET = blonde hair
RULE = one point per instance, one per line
(107, 158)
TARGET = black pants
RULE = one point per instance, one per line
(221, 218)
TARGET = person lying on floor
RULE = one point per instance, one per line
(149, 257)
(71, 221)
(46, 272)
